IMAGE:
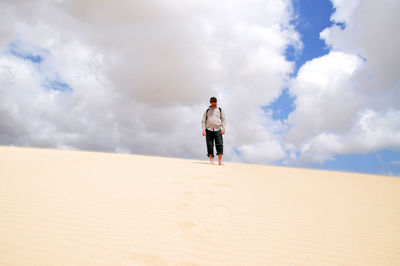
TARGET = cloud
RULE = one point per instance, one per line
(344, 10)
(136, 76)
(348, 101)
(268, 151)
(319, 88)
(140, 74)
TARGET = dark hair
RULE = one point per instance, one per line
(213, 98)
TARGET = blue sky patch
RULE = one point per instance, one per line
(58, 85)
(312, 17)
(237, 151)
(27, 52)
(33, 58)
(37, 56)
(385, 162)
(282, 106)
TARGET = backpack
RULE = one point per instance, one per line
(220, 113)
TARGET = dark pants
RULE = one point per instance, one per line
(216, 136)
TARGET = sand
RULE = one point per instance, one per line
(64, 207)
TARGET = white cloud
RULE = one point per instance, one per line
(264, 152)
(348, 101)
(344, 9)
(371, 132)
(320, 89)
(142, 73)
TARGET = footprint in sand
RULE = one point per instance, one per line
(186, 263)
(196, 197)
(183, 230)
(192, 231)
(219, 208)
(229, 186)
(185, 226)
(177, 182)
(189, 193)
(183, 206)
(203, 177)
(223, 206)
(208, 193)
(138, 258)
(144, 259)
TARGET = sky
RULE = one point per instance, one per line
(303, 83)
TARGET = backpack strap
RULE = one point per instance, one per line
(220, 113)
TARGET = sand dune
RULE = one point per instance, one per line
(60, 207)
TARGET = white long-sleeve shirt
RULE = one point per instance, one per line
(215, 120)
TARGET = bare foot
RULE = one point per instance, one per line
(220, 163)
(211, 160)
